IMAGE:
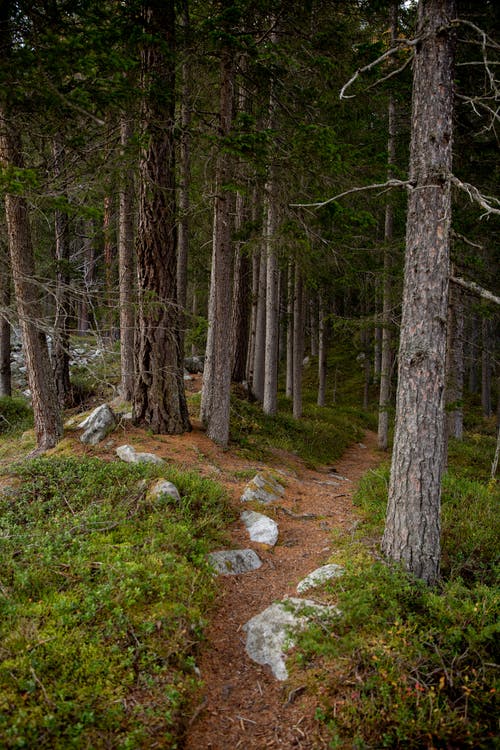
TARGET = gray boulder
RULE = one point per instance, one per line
(130, 455)
(261, 528)
(164, 488)
(263, 488)
(270, 633)
(234, 561)
(319, 576)
(194, 364)
(98, 425)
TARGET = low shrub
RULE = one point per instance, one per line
(15, 415)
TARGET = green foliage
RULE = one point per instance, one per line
(15, 415)
(405, 665)
(102, 598)
(320, 436)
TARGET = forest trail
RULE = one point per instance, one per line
(242, 705)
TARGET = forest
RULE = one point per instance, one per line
(265, 236)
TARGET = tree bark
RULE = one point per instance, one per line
(412, 532)
(241, 300)
(271, 354)
(486, 368)
(217, 375)
(47, 416)
(159, 401)
(88, 252)
(260, 332)
(253, 317)
(126, 265)
(184, 183)
(5, 347)
(60, 343)
(289, 332)
(322, 351)
(455, 365)
(386, 343)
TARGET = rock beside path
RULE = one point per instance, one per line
(234, 561)
(270, 633)
(319, 576)
(261, 528)
(263, 488)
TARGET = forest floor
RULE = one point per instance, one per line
(241, 704)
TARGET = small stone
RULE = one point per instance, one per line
(164, 488)
(234, 561)
(261, 528)
(319, 576)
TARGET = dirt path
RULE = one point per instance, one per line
(243, 705)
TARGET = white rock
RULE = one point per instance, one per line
(234, 561)
(319, 576)
(270, 633)
(130, 455)
(261, 528)
(98, 425)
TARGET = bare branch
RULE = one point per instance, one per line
(388, 184)
(485, 201)
(392, 74)
(392, 51)
(486, 42)
(466, 240)
(471, 286)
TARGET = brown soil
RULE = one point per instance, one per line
(241, 704)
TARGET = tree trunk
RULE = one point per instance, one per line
(5, 299)
(88, 277)
(184, 184)
(412, 532)
(386, 343)
(253, 317)
(217, 375)
(455, 365)
(47, 416)
(241, 300)
(126, 265)
(159, 400)
(298, 342)
(289, 332)
(60, 343)
(473, 354)
(260, 332)
(322, 350)
(486, 368)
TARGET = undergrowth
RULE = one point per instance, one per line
(103, 597)
(406, 666)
